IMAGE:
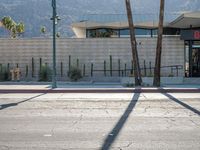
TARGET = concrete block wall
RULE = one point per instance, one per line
(96, 51)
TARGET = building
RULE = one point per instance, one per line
(102, 49)
(185, 27)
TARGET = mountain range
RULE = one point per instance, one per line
(37, 13)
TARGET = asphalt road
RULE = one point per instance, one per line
(100, 121)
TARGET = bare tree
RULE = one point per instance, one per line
(156, 81)
(137, 71)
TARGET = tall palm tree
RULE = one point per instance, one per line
(137, 71)
(156, 81)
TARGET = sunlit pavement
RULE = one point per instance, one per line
(87, 121)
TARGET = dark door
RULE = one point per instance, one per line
(196, 62)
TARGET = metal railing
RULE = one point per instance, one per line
(173, 70)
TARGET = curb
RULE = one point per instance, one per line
(101, 91)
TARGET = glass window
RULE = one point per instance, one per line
(91, 33)
(154, 31)
(104, 32)
(171, 31)
(196, 44)
(138, 32)
(124, 33)
(143, 32)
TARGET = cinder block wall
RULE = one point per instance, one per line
(96, 51)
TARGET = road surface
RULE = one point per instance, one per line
(116, 121)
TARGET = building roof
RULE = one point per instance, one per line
(187, 20)
(140, 20)
(149, 21)
(120, 20)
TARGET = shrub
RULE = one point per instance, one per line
(74, 74)
(170, 75)
(4, 74)
(45, 73)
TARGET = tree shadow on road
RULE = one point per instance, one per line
(5, 106)
(182, 103)
(111, 137)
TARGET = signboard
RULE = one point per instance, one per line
(190, 34)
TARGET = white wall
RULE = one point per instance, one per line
(89, 51)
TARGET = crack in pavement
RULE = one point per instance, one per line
(143, 96)
(124, 147)
(169, 121)
(146, 108)
(198, 125)
(108, 113)
(76, 122)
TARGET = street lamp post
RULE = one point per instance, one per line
(55, 19)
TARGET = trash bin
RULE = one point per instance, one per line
(18, 74)
(15, 74)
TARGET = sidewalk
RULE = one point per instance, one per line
(88, 87)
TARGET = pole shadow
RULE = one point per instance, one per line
(5, 106)
(182, 103)
(111, 137)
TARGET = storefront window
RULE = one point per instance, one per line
(196, 44)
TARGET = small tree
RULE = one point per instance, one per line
(45, 73)
(74, 74)
(4, 73)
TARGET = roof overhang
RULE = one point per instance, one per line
(114, 25)
(187, 20)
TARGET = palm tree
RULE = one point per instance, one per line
(5, 21)
(20, 28)
(43, 30)
(137, 71)
(12, 26)
(8, 23)
(156, 81)
(58, 35)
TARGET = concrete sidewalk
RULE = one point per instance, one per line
(88, 87)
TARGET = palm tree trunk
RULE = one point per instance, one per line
(156, 81)
(137, 71)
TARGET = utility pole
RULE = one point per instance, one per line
(54, 18)
(137, 71)
(156, 81)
